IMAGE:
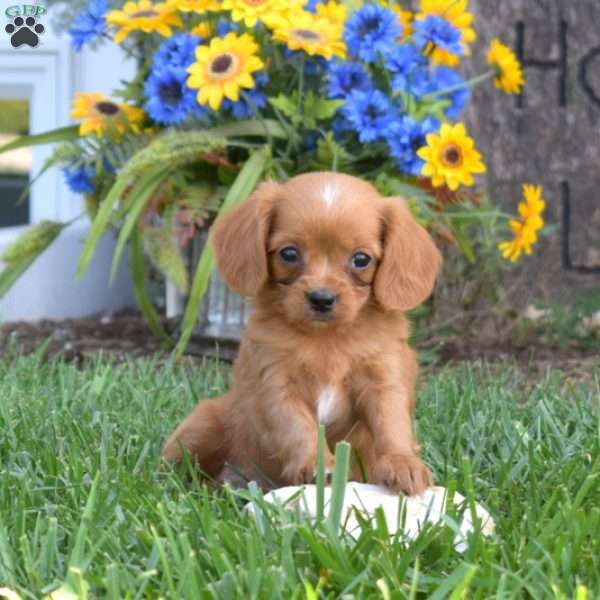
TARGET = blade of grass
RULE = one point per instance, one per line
(338, 485)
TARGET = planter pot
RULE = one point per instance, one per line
(223, 313)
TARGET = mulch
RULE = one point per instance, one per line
(123, 336)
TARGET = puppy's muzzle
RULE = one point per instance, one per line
(321, 300)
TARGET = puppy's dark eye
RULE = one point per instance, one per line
(361, 261)
(290, 254)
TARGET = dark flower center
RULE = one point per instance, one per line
(107, 108)
(221, 64)
(143, 13)
(368, 26)
(307, 34)
(417, 143)
(373, 112)
(452, 156)
(170, 93)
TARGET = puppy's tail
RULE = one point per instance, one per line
(204, 433)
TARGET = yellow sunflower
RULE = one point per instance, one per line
(251, 11)
(101, 115)
(203, 30)
(509, 75)
(525, 229)
(223, 67)
(199, 6)
(310, 33)
(143, 16)
(456, 13)
(405, 17)
(332, 11)
(450, 157)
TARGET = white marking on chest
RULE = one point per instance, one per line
(327, 405)
(329, 194)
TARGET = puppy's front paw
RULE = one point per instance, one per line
(298, 473)
(403, 473)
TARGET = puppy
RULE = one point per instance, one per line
(331, 267)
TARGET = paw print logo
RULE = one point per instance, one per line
(24, 31)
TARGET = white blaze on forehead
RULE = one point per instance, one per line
(327, 405)
(329, 194)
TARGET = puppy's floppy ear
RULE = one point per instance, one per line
(239, 239)
(411, 262)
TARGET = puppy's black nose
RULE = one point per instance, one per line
(321, 300)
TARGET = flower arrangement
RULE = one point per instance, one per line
(230, 91)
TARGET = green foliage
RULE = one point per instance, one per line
(306, 110)
(62, 134)
(166, 256)
(23, 252)
(330, 156)
(14, 116)
(87, 505)
(241, 189)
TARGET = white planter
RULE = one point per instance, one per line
(50, 290)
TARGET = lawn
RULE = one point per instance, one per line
(84, 504)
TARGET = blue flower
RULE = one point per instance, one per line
(439, 32)
(170, 101)
(224, 27)
(404, 137)
(79, 179)
(311, 5)
(371, 31)
(369, 113)
(90, 24)
(444, 78)
(344, 77)
(178, 52)
(243, 109)
(407, 64)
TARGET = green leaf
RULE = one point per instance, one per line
(252, 127)
(136, 208)
(137, 266)
(11, 273)
(319, 108)
(166, 256)
(32, 242)
(465, 244)
(62, 134)
(241, 189)
(287, 105)
(330, 155)
(103, 216)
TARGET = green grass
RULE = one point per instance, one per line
(84, 504)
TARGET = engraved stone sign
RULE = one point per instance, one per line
(549, 135)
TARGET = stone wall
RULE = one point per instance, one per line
(550, 135)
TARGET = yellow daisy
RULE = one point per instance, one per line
(509, 75)
(199, 6)
(143, 16)
(456, 13)
(203, 30)
(450, 157)
(100, 115)
(312, 34)
(251, 11)
(525, 229)
(223, 67)
(332, 11)
(405, 17)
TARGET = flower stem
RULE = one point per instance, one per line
(467, 84)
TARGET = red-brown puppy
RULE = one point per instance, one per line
(331, 267)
